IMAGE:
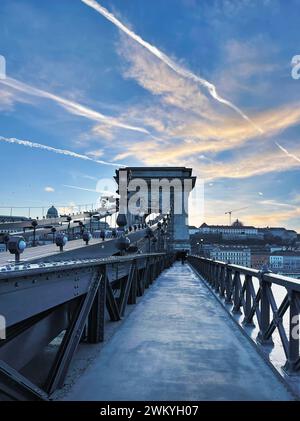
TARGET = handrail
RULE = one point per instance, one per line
(14, 271)
(268, 276)
(234, 285)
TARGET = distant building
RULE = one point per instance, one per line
(52, 213)
(240, 232)
(260, 257)
(285, 261)
(280, 233)
(276, 248)
(98, 226)
(236, 255)
(8, 218)
(193, 230)
(236, 231)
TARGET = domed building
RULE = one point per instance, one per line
(52, 213)
(237, 224)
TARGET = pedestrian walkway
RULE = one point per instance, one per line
(178, 344)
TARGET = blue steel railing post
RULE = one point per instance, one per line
(209, 272)
(134, 286)
(236, 295)
(217, 278)
(293, 358)
(228, 285)
(212, 273)
(265, 312)
(95, 331)
(206, 268)
(248, 302)
(222, 281)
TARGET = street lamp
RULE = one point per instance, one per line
(53, 230)
(86, 236)
(149, 235)
(81, 226)
(69, 219)
(34, 224)
(6, 240)
(200, 249)
(61, 240)
(122, 244)
(97, 217)
(122, 221)
(154, 241)
(16, 245)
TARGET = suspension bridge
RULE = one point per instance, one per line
(127, 318)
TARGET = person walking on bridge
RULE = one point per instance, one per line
(183, 255)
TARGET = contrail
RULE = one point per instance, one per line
(65, 152)
(79, 188)
(287, 152)
(71, 106)
(167, 60)
(104, 193)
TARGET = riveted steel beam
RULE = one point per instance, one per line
(14, 386)
(72, 336)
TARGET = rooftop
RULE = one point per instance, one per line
(286, 253)
(204, 225)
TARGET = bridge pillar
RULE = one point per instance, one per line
(158, 190)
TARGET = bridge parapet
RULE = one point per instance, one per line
(266, 305)
(67, 300)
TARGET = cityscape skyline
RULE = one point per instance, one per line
(99, 94)
(150, 204)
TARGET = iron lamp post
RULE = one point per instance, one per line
(16, 245)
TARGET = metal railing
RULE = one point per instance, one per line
(264, 300)
(73, 299)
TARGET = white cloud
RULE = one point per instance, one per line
(96, 153)
(71, 106)
(168, 61)
(49, 189)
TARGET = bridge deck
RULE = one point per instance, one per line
(73, 249)
(178, 344)
(40, 252)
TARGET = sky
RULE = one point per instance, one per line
(205, 84)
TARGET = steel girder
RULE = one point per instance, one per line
(68, 298)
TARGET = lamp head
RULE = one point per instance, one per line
(34, 223)
(61, 240)
(16, 245)
(86, 236)
(123, 243)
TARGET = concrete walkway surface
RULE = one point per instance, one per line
(178, 344)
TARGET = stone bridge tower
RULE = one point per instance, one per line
(157, 190)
